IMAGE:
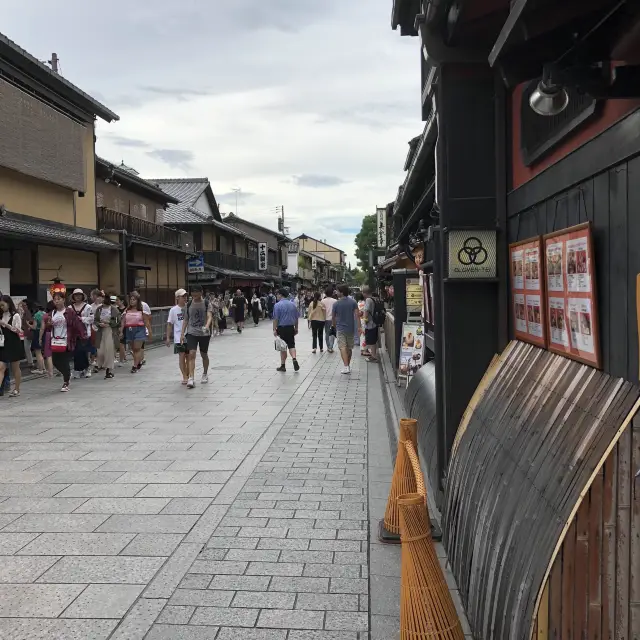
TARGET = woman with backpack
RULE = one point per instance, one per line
(11, 342)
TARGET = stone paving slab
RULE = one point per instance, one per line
(235, 510)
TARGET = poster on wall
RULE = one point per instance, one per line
(527, 291)
(411, 349)
(572, 314)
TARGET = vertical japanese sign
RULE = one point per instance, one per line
(314, 263)
(381, 227)
(572, 313)
(527, 288)
(262, 256)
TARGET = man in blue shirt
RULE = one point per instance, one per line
(285, 325)
(345, 320)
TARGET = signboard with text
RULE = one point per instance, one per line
(262, 256)
(381, 227)
(293, 247)
(196, 264)
(472, 254)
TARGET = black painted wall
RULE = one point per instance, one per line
(611, 201)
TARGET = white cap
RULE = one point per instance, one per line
(180, 292)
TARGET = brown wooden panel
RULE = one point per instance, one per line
(555, 599)
(568, 570)
(609, 499)
(542, 622)
(595, 559)
(634, 614)
(623, 532)
(581, 575)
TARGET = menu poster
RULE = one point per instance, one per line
(519, 312)
(411, 349)
(555, 281)
(517, 269)
(578, 265)
(558, 321)
(527, 284)
(532, 268)
(572, 316)
(534, 316)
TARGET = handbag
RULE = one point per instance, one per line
(1, 339)
(58, 345)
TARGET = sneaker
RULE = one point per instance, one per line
(190, 383)
(14, 394)
(108, 375)
(87, 373)
(296, 366)
(205, 379)
(238, 329)
(281, 368)
(140, 366)
(65, 388)
(345, 370)
(143, 362)
(313, 351)
(134, 369)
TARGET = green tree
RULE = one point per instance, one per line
(365, 240)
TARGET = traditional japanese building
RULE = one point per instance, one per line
(531, 129)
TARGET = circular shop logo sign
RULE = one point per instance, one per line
(472, 252)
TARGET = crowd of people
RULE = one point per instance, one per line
(80, 337)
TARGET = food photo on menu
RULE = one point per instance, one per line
(408, 340)
(554, 267)
(581, 260)
(571, 262)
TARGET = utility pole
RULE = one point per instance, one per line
(236, 190)
(54, 62)
(280, 213)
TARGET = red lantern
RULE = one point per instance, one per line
(58, 287)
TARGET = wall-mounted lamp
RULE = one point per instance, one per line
(549, 98)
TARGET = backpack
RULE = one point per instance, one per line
(379, 313)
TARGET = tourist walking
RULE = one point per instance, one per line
(65, 327)
(36, 340)
(196, 333)
(223, 311)
(328, 301)
(271, 302)
(239, 304)
(345, 320)
(174, 333)
(370, 326)
(81, 347)
(107, 322)
(134, 326)
(317, 315)
(256, 309)
(11, 344)
(285, 326)
(121, 304)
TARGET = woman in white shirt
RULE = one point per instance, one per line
(327, 302)
(11, 342)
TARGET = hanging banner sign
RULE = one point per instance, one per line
(314, 263)
(527, 290)
(293, 247)
(572, 311)
(381, 227)
(262, 256)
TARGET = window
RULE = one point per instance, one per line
(99, 199)
(197, 239)
(143, 211)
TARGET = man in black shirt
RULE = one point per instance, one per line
(239, 304)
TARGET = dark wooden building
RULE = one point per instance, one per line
(536, 109)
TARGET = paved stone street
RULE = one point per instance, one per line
(134, 508)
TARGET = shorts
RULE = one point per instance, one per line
(193, 342)
(135, 334)
(180, 348)
(371, 336)
(345, 340)
(288, 334)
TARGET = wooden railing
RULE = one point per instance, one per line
(228, 261)
(109, 219)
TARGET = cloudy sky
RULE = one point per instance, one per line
(307, 104)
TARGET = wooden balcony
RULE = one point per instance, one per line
(110, 220)
(228, 261)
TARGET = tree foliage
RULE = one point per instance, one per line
(365, 240)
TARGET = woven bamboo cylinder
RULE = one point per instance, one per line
(403, 480)
(427, 611)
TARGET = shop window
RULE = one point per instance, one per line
(539, 135)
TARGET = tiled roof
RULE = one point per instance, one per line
(232, 217)
(187, 190)
(52, 235)
(56, 79)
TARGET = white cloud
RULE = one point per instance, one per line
(248, 97)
